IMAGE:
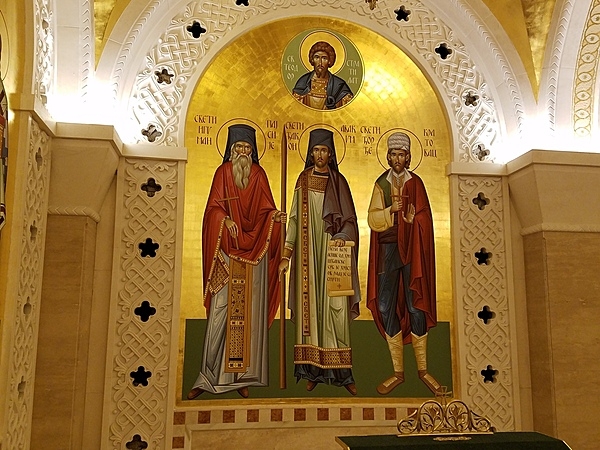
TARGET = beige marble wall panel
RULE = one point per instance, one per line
(540, 339)
(282, 438)
(556, 191)
(574, 308)
(94, 395)
(64, 333)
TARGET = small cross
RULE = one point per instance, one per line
(151, 187)
(489, 375)
(152, 133)
(372, 4)
(163, 76)
(480, 152)
(486, 314)
(402, 13)
(136, 443)
(148, 248)
(140, 376)
(145, 311)
(483, 256)
(443, 50)
(227, 200)
(481, 201)
(471, 99)
(443, 394)
(196, 29)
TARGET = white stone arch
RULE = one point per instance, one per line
(478, 63)
(570, 86)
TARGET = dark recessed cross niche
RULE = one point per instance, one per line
(480, 152)
(148, 248)
(152, 133)
(151, 187)
(163, 76)
(481, 201)
(471, 99)
(196, 30)
(140, 376)
(483, 257)
(241, 2)
(145, 311)
(136, 443)
(486, 314)
(443, 50)
(402, 13)
(489, 375)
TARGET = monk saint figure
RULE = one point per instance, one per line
(240, 257)
(322, 214)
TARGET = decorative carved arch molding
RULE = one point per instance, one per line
(478, 128)
(133, 55)
(585, 91)
(569, 85)
(45, 32)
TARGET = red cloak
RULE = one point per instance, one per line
(417, 248)
(258, 234)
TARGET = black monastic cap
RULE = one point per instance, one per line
(241, 132)
(321, 136)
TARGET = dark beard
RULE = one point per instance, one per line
(241, 169)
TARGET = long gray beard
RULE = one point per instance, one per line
(241, 169)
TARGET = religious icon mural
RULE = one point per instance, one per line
(401, 285)
(334, 65)
(240, 255)
(322, 215)
(283, 294)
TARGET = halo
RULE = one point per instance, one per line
(222, 137)
(382, 147)
(316, 36)
(303, 141)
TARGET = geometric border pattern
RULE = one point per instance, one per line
(160, 104)
(133, 408)
(23, 356)
(283, 416)
(484, 345)
(586, 73)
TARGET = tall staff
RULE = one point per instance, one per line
(282, 356)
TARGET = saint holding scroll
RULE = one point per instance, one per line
(322, 215)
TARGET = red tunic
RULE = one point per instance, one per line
(417, 248)
(258, 234)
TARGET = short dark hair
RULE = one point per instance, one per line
(322, 46)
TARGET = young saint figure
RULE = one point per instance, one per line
(322, 214)
(240, 256)
(319, 88)
(401, 281)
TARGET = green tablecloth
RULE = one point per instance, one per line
(496, 441)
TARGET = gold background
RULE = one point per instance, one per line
(245, 81)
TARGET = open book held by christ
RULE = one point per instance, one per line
(339, 273)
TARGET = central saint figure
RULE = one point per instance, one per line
(322, 214)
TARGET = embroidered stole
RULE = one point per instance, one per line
(239, 308)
